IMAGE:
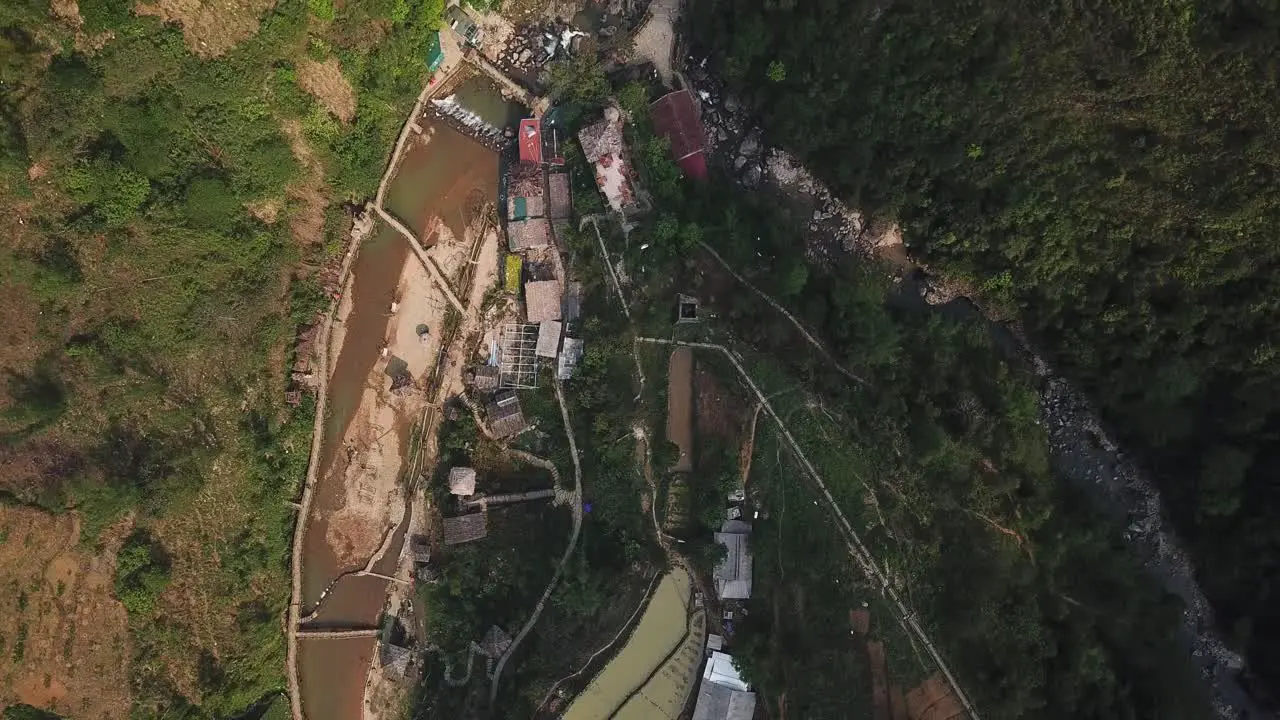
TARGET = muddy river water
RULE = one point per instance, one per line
(448, 178)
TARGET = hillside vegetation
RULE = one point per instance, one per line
(939, 461)
(166, 193)
(1104, 172)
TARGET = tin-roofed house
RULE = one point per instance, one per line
(528, 234)
(465, 528)
(462, 481)
(559, 197)
(526, 192)
(675, 116)
(395, 660)
(530, 141)
(485, 378)
(723, 694)
(571, 303)
(505, 416)
(548, 339)
(570, 356)
(733, 574)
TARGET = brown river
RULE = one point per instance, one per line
(443, 178)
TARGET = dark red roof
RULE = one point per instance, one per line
(695, 165)
(531, 141)
(675, 117)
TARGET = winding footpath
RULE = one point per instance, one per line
(817, 344)
(857, 549)
(564, 559)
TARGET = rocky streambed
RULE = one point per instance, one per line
(1082, 451)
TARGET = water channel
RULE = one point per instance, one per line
(440, 182)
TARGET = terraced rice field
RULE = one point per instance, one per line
(663, 634)
(666, 693)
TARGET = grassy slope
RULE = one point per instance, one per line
(148, 312)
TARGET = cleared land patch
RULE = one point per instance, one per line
(210, 29)
(325, 82)
(64, 641)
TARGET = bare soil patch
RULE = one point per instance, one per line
(65, 637)
(933, 700)
(268, 211)
(326, 83)
(209, 28)
(19, 347)
(309, 195)
(720, 413)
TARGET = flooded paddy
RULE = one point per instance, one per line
(360, 505)
(661, 638)
(439, 181)
(331, 673)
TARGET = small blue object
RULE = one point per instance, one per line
(586, 506)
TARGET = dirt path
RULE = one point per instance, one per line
(817, 344)
(857, 549)
(749, 446)
(656, 40)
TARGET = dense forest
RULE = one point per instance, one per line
(939, 461)
(169, 186)
(1106, 173)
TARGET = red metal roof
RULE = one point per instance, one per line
(675, 117)
(531, 141)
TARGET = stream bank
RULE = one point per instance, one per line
(1081, 450)
(442, 185)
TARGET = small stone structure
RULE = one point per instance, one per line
(462, 481)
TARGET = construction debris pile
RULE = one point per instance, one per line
(532, 46)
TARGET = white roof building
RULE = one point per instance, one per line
(570, 356)
(723, 695)
(733, 574)
(462, 481)
(548, 338)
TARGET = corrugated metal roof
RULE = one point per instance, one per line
(733, 574)
(462, 481)
(542, 300)
(721, 671)
(571, 304)
(528, 234)
(531, 141)
(717, 702)
(548, 338)
(465, 528)
(675, 116)
(570, 356)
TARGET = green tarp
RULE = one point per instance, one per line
(435, 54)
(522, 208)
